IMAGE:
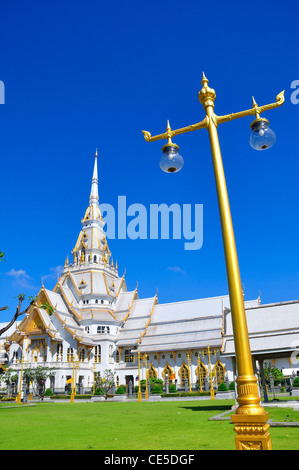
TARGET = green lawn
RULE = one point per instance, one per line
(129, 426)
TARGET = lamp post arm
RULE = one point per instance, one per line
(171, 133)
(254, 111)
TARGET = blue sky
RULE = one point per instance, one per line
(80, 75)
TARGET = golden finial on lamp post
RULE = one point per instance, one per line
(250, 419)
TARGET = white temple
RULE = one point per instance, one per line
(97, 323)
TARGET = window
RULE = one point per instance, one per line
(201, 373)
(152, 373)
(169, 372)
(220, 372)
(70, 355)
(97, 354)
(15, 357)
(103, 329)
(82, 355)
(184, 373)
(59, 352)
(87, 329)
(129, 357)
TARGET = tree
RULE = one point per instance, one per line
(21, 297)
(19, 312)
(108, 382)
(276, 374)
(38, 376)
(10, 378)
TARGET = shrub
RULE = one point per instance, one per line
(66, 397)
(156, 389)
(172, 388)
(120, 390)
(154, 381)
(231, 386)
(48, 392)
(296, 382)
(222, 387)
(186, 394)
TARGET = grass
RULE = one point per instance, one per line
(129, 426)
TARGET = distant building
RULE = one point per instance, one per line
(95, 322)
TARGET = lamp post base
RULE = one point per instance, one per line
(252, 432)
(250, 418)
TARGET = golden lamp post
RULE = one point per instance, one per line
(250, 418)
(19, 396)
(208, 352)
(139, 394)
(74, 380)
(145, 366)
(200, 374)
(189, 372)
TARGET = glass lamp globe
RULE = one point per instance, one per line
(171, 161)
(262, 137)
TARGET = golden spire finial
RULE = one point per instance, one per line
(255, 106)
(169, 135)
(206, 95)
(254, 103)
(204, 80)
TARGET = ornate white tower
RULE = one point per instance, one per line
(92, 277)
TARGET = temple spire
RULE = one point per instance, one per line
(94, 194)
(91, 246)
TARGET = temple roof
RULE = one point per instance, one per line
(271, 327)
